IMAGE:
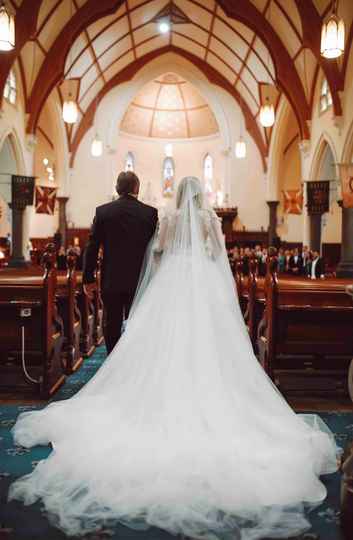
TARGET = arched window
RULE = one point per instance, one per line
(209, 178)
(130, 162)
(325, 96)
(10, 90)
(168, 177)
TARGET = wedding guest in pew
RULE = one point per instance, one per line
(281, 261)
(296, 263)
(316, 268)
(287, 256)
(61, 259)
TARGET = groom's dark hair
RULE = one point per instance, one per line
(127, 182)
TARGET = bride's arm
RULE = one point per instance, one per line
(161, 235)
(215, 233)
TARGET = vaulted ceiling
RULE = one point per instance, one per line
(249, 47)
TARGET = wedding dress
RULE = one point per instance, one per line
(180, 428)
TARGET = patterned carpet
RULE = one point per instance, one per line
(28, 523)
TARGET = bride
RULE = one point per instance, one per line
(180, 428)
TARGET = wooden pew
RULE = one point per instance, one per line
(88, 321)
(256, 301)
(98, 309)
(241, 283)
(31, 332)
(66, 298)
(306, 329)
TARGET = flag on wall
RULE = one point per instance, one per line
(293, 201)
(347, 184)
(45, 200)
(318, 197)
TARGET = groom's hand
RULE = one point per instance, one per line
(90, 289)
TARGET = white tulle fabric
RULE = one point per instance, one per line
(180, 428)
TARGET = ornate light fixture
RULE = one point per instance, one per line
(97, 146)
(267, 114)
(70, 111)
(7, 29)
(332, 35)
(240, 148)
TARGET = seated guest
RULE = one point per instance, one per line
(287, 256)
(236, 254)
(296, 263)
(262, 262)
(305, 254)
(281, 261)
(61, 258)
(246, 261)
(316, 267)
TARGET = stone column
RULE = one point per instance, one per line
(62, 218)
(304, 149)
(315, 232)
(272, 223)
(345, 266)
(17, 258)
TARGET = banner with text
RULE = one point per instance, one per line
(318, 197)
(22, 190)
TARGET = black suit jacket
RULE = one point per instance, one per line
(298, 264)
(123, 228)
(319, 268)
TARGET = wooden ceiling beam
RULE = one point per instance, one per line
(286, 74)
(311, 25)
(52, 69)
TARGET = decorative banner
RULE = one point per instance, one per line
(45, 200)
(318, 197)
(293, 201)
(347, 184)
(22, 191)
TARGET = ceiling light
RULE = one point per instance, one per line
(97, 147)
(7, 29)
(70, 111)
(164, 27)
(267, 114)
(168, 150)
(45, 161)
(240, 148)
(49, 170)
(332, 35)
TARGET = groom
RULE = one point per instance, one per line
(123, 228)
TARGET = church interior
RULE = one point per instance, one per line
(252, 97)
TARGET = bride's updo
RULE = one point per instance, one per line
(193, 185)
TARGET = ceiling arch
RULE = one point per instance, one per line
(129, 72)
(249, 42)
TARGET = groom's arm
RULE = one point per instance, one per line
(90, 256)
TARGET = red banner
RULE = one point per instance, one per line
(45, 200)
(293, 201)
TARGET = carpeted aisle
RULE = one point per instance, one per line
(28, 523)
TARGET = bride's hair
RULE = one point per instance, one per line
(197, 195)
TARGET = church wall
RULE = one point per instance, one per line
(93, 179)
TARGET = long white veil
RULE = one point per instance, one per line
(190, 233)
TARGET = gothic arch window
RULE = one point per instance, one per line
(208, 173)
(168, 177)
(10, 90)
(130, 162)
(325, 96)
